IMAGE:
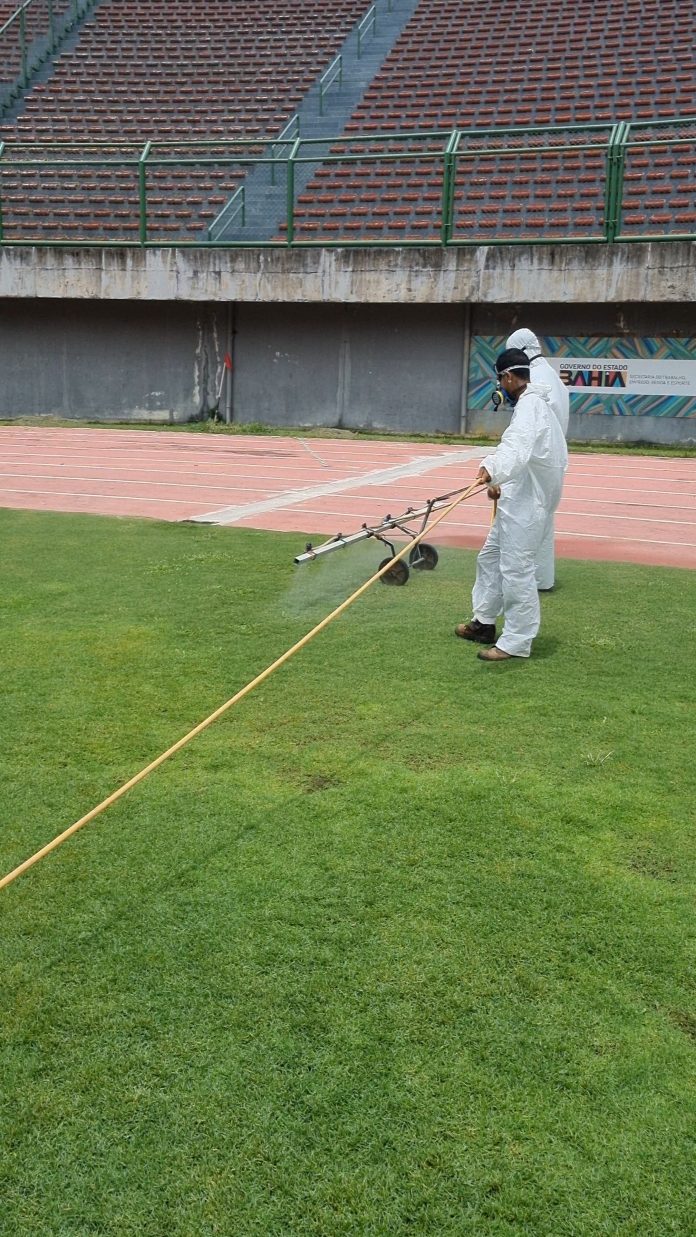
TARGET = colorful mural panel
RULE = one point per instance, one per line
(596, 389)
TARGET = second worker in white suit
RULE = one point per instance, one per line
(525, 473)
(544, 374)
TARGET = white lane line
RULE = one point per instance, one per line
(626, 502)
(268, 447)
(224, 472)
(380, 476)
(636, 519)
(165, 457)
(211, 438)
(233, 451)
(451, 524)
(120, 498)
(232, 465)
(678, 545)
(163, 439)
(221, 449)
(58, 478)
(229, 472)
(601, 496)
(373, 500)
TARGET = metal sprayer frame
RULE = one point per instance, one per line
(377, 532)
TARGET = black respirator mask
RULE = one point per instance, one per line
(500, 396)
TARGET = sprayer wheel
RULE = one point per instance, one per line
(398, 574)
(423, 557)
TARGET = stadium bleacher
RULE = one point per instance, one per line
(187, 71)
(161, 71)
(539, 65)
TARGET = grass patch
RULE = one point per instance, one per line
(403, 944)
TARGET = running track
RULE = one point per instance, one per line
(631, 508)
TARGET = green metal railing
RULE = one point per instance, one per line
(640, 137)
(455, 169)
(285, 139)
(29, 37)
(368, 25)
(334, 73)
(236, 207)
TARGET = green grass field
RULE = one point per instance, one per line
(403, 944)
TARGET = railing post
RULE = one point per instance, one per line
(369, 21)
(291, 190)
(609, 185)
(23, 44)
(448, 181)
(619, 181)
(52, 26)
(142, 191)
(616, 151)
(293, 123)
(328, 78)
(2, 151)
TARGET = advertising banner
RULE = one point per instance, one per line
(624, 376)
(612, 376)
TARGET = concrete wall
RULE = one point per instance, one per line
(383, 367)
(104, 361)
(351, 338)
(481, 275)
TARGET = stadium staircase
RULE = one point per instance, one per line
(30, 35)
(323, 113)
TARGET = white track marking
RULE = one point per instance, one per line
(307, 448)
(380, 476)
(120, 498)
(144, 482)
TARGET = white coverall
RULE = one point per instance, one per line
(559, 399)
(529, 464)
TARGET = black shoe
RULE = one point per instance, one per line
(481, 633)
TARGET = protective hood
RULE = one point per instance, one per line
(542, 389)
(526, 340)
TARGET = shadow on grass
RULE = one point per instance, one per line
(545, 646)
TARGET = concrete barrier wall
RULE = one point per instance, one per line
(347, 339)
(483, 275)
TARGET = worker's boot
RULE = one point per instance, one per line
(481, 633)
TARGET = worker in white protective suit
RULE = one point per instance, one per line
(525, 476)
(559, 399)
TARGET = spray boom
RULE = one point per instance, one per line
(422, 557)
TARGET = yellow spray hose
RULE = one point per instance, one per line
(260, 678)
